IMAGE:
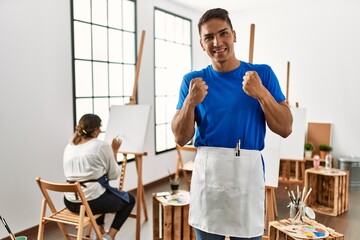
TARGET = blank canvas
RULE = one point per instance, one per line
(130, 123)
(292, 147)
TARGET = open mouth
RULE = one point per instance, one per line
(219, 50)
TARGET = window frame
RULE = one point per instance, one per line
(190, 68)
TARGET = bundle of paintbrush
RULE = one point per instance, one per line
(297, 203)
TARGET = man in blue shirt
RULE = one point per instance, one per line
(230, 102)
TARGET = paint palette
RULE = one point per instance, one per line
(178, 199)
(306, 231)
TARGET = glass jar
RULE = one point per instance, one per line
(297, 212)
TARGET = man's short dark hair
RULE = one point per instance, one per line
(214, 13)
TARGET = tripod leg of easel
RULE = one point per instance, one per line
(274, 203)
(270, 205)
(140, 196)
(143, 199)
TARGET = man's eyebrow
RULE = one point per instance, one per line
(211, 34)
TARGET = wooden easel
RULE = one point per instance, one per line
(270, 198)
(140, 193)
(299, 164)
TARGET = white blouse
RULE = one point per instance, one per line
(87, 161)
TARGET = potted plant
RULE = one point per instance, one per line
(324, 149)
(308, 147)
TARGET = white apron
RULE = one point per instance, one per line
(227, 192)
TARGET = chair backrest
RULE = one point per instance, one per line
(47, 187)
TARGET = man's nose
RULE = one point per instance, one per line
(216, 41)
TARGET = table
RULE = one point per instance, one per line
(277, 231)
(330, 190)
(170, 219)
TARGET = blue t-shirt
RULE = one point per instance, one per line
(227, 113)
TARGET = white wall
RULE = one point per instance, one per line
(36, 102)
(36, 84)
(319, 39)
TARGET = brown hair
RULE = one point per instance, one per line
(88, 124)
(214, 13)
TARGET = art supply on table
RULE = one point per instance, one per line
(306, 231)
(307, 195)
(328, 158)
(169, 174)
(174, 183)
(12, 236)
(298, 204)
(237, 148)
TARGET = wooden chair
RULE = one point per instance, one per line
(64, 217)
(185, 161)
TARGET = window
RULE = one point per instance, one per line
(172, 51)
(104, 55)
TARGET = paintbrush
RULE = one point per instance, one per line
(12, 236)
(303, 194)
(307, 195)
(169, 174)
(290, 197)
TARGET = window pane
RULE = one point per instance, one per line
(84, 78)
(160, 110)
(187, 33)
(115, 46)
(82, 10)
(116, 79)
(161, 79)
(170, 27)
(129, 15)
(171, 102)
(160, 138)
(99, 43)
(118, 101)
(159, 24)
(83, 106)
(101, 108)
(82, 40)
(100, 79)
(172, 46)
(170, 139)
(129, 50)
(161, 55)
(115, 19)
(129, 77)
(99, 12)
(179, 26)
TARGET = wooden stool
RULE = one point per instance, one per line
(170, 221)
(330, 188)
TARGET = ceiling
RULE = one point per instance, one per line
(230, 5)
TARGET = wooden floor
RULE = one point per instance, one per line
(346, 223)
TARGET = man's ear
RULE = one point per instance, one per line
(202, 46)
(234, 35)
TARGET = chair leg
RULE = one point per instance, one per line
(41, 224)
(88, 230)
(96, 229)
(81, 225)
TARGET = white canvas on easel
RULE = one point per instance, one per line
(271, 155)
(129, 123)
(292, 147)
